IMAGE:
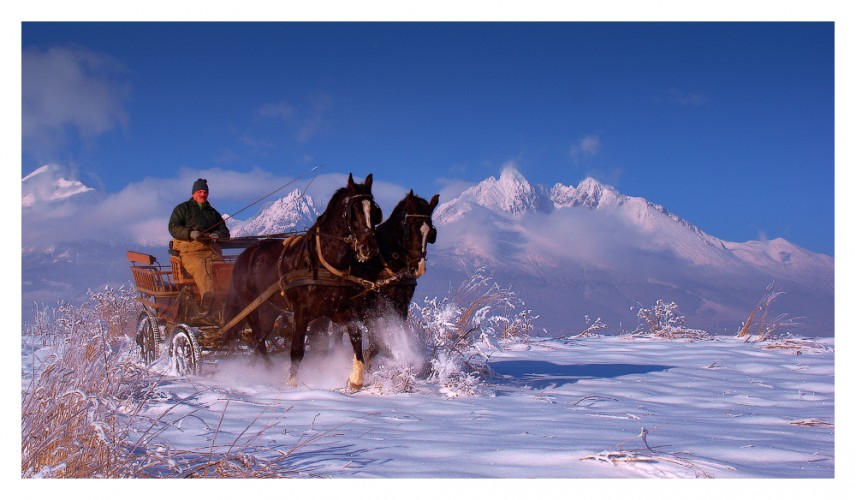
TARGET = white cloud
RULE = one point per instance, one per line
(69, 90)
(587, 146)
(306, 122)
(280, 110)
(315, 119)
(689, 98)
(140, 212)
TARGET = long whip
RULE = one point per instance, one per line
(316, 167)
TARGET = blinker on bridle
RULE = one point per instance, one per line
(349, 206)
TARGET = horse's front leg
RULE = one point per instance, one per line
(298, 345)
(355, 381)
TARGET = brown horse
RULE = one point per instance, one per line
(313, 274)
(403, 242)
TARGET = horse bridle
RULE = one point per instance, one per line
(349, 206)
(414, 258)
(351, 238)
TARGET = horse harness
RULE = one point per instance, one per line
(328, 275)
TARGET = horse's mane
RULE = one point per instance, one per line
(334, 201)
(398, 211)
(342, 192)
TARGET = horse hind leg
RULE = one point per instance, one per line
(298, 347)
(256, 322)
(320, 336)
(261, 349)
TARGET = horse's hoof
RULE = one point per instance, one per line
(292, 381)
(354, 387)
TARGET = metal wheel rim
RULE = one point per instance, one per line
(185, 351)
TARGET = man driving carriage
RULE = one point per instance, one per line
(196, 226)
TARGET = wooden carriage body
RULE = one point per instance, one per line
(172, 318)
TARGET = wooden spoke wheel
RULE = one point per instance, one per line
(185, 350)
(148, 337)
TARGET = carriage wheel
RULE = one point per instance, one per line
(185, 350)
(148, 337)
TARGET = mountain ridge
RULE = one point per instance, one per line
(578, 251)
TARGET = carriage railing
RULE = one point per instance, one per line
(160, 285)
(150, 277)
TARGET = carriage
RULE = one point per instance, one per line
(338, 270)
(171, 303)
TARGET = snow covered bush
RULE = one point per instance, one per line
(591, 328)
(458, 331)
(83, 397)
(663, 321)
(114, 311)
(79, 387)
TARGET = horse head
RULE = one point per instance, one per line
(361, 216)
(417, 229)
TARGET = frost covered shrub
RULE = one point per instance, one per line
(663, 321)
(457, 330)
(71, 423)
(82, 402)
(591, 328)
(115, 311)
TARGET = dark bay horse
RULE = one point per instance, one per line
(403, 242)
(313, 274)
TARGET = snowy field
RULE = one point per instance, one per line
(554, 409)
(592, 408)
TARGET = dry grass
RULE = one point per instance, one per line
(458, 330)
(797, 345)
(590, 330)
(813, 422)
(82, 408)
(69, 412)
(486, 307)
(244, 457)
(651, 457)
(761, 321)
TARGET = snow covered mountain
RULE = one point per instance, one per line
(48, 184)
(591, 251)
(511, 194)
(293, 212)
(569, 252)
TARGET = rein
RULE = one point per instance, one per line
(418, 255)
(337, 277)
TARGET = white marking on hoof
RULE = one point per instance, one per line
(355, 381)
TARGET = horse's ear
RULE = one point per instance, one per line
(434, 201)
(368, 182)
(351, 180)
(411, 194)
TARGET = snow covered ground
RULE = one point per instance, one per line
(554, 409)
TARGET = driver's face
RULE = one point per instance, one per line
(200, 196)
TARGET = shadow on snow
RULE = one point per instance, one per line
(543, 374)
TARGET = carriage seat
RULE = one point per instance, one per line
(179, 273)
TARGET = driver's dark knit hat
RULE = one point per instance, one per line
(199, 184)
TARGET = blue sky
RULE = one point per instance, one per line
(729, 125)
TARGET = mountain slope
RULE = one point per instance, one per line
(591, 251)
(569, 252)
(293, 212)
(49, 184)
